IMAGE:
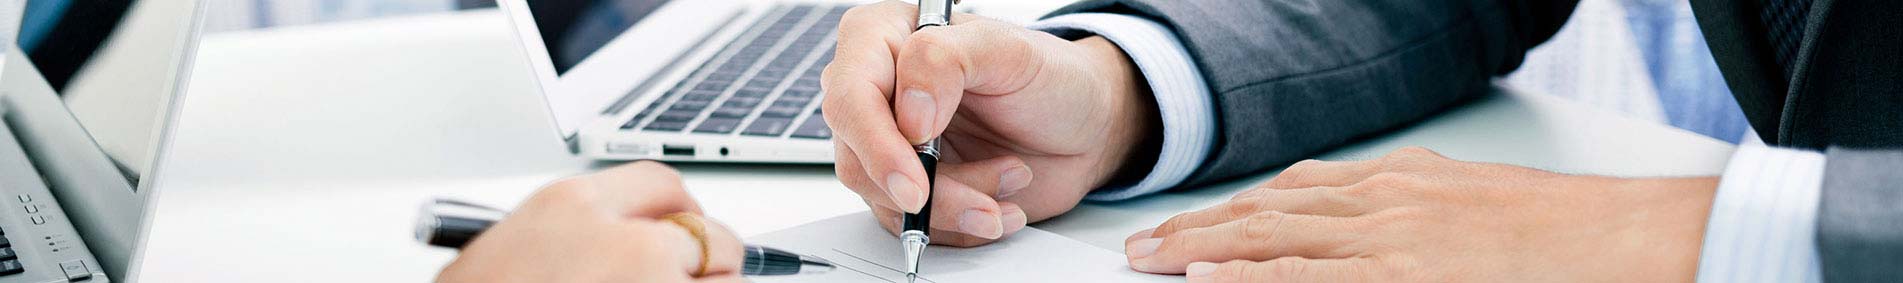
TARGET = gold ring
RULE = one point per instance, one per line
(698, 228)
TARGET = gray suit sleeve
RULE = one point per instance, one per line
(1293, 78)
(1860, 219)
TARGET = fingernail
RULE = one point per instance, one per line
(903, 192)
(1145, 234)
(1143, 248)
(922, 109)
(978, 223)
(1200, 269)
(1013, 180)
(1014, 219)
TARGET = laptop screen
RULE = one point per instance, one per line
(115, 67)
(575, 29)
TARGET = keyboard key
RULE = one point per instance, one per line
(11, 267)
(742, 102)
(711, 85)
(652, 108)
(677, 116)
(630, 124)
(666, 126)
(718, 125)
(7, 253)
(813, 128)
(802, 91)
(701, 96)
(726, 77)
(731, 111)
(5, 243)
(771, 73)
(754, 91)
(793, 101)
(691, 106)
(782, 111)
(810, 80)
(768, 127)
(783, 64)
(764, 82)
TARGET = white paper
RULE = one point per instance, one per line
(865, 252)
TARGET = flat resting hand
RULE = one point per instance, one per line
(1415, 216)
(1007, 101)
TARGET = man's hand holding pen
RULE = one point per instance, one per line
(889, 88)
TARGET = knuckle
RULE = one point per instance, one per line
(1015, 40)
(1175, 223)
(1295, 173)
(1414, 151)
(868, 10)
(1244, 207)
(1262, 226)
(928, 41)
(1383, 183)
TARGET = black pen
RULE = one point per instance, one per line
(914, 237)
(451, 224)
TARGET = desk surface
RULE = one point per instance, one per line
(304, 152)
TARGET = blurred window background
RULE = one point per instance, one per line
(250, 14)
(1644, 58)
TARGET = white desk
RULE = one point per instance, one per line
(305, 151)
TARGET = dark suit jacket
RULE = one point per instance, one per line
(1294, 78)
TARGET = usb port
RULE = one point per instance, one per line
(677, 150)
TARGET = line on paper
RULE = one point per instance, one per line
(922, 278)
(863, 272)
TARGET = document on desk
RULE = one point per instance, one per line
(864, 252)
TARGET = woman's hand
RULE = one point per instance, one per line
(600, 227)
(1414, 216)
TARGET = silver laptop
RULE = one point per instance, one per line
(76, 166)
(683, 80)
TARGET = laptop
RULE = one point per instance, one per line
(75, 181)
(683, 80)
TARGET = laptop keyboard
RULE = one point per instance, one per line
(763, 84)
(9, 260)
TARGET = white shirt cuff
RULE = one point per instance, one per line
(1182, 96)
(1763, 224)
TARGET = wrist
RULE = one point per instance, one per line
(1676, 221)
(1132, 139)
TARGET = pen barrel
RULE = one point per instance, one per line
(770, 262)
(934, 13)
(455, 232)
(922, 220)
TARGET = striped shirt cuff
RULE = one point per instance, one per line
(1764, 218)
(1182, 97)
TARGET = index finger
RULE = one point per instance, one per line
(858, 84)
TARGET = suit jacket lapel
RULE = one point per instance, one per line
(1742, 49)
